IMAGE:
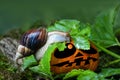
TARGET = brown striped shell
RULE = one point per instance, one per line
(33, 40)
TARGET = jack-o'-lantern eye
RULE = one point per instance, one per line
(70, 46)
(68, 51)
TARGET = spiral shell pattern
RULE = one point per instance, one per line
(34, 39)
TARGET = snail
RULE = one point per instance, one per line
(37, 41)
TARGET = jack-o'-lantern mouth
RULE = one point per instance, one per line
(72, 58)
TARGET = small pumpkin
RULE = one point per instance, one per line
(72, 58)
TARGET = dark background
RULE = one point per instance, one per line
(23, 13)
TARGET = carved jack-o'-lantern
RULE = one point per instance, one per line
(37, 41)
(72, 58)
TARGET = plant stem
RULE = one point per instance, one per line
(112, 62)
(118, 43)
(108, 51)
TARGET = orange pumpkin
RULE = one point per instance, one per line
(72, 58)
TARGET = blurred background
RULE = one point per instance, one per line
(24, 13)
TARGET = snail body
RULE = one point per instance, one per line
(53, 37)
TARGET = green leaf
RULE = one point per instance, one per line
(73, 73)
(81, 42)
(82, 75)
(28, 61)
(64, 25)
(71, 24)
(79, 32)
(41, 72)
(102, 30)
(61, 46)
(45, 61)
(44, 65)
(88, 75)
(86, 32)
(109, 72)
(81, 36)
(57, 27)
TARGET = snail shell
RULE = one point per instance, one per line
(34, 39)
(30, 42)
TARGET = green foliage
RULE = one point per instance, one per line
(81, 43)
(101, 33)
(73, 73)
(102, 29)
(60, 46)
(109, 72)
(79, 34)
(44, 66)
(29, 61)
(82, 75)
(65, 25)
(90, 75)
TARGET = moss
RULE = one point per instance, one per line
(9, 72)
